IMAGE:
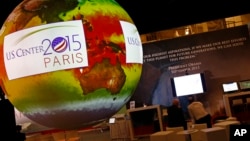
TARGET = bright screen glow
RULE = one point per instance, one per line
(230, 87)
(112, 120)
(244, 85)
(188, 84)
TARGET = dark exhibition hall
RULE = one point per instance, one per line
(150, 16)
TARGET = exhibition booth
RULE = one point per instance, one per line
(202, 65)
(214, 60)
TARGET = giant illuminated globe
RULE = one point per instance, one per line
(69, 63)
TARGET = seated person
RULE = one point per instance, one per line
(175, 115)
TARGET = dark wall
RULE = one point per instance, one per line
(222, 55)
(151, 16)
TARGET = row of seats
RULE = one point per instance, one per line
(198, 132)
(207, 134)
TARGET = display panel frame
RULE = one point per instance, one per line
(190, 84)
(244, 85)
(230, 87)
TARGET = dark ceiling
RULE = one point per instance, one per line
(156, 15)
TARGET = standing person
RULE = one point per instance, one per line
(175, 115)
(197, 113)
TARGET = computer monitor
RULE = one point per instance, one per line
(244, 85)
(188, 84)
(230, 87)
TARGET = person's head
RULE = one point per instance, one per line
(175, 102)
